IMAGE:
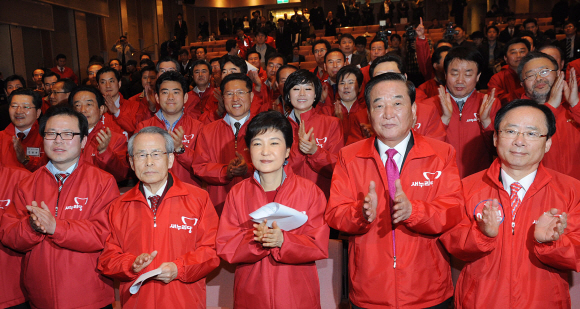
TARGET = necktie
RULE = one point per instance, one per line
(21, 136)
(569, 53)
(347, 62)
(60, 178)
(335, 88)
(62, 70)
(515, 202)
(154, 200)
(511, 32)
(237, 125)
(460, 105)
(392, 176)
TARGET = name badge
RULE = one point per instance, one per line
(33, 152)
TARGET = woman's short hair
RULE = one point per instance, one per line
(269, 120)
(301, 77)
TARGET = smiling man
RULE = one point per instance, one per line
(507, 82)
(171, 93)
(546, 85)
(105, 148)
(465, 112)
(221, 152)
(60, 214)
(162, 223)
(394, 194)
(201, 98)
(20, 143)
(519, 228)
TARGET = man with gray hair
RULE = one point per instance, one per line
(544, 83)
(162, 225)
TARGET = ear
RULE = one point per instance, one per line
(119, 84)
(38, 112)
(185, 97)
(157, 98)
(287, 152)
(251, 96)
(171, 158)
(478, 75)
(131, 163)
(548, 145)
(84, 142)
(102, 110)
(494, 139)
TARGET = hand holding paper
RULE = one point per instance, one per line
(142, 261)
(286, 218)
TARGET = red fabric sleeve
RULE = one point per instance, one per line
(195, 265)
(204, 164)
(114, 159)
(424, 58)
(15, 228)
(324, 159)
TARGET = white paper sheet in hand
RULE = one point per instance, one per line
(139, 282)
(287, 218)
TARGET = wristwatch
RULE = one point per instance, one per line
(180, 150)
(26, 160)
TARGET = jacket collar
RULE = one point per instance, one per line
(543, 177)
(10, 129)
(288, 177)
(135, 194)
(420, 149)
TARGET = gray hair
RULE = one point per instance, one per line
(169, 146)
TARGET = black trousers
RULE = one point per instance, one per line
(443, 305)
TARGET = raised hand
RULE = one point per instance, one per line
(237, 166)
(571, 89)
(446, 105)
(366, 129)
(420, 30)
(485, 108)
(370, 203)
(557, 91)
(255, 77)
(103, 138)
(150, 96)
(177, 136)
(142, 261)
(402, 208)
(111, 104)
(550, 226)
(217, 94)
(489, 219)
(338, 110)
(19, 149)
(45, 221)
(324, 93)
(259, 230)
(307, 143)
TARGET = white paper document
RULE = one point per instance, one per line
(139, 282)
(287, 218)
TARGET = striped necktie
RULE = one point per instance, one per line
(514, 198)
(60, 178)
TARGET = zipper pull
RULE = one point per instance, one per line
(460, 113)
(513, 227)
(394, 262)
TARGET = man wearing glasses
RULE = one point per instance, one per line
(221, 153)
(20, 143)
(545, 84)
(319, 50)
(515, 238)
(161, 224)
(59, 219)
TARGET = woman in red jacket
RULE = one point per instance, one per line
(318, 137)
(276, 268)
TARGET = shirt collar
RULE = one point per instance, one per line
(526, 182)
(53, 170)
(168, 126)
(231, 121)
(25, 131)
(159, 192)
(401, 148)
(257, 174)
(464, 99)
(118, 101)
(196, 90)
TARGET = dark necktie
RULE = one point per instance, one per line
(335, 88)
(460, 105)
(569, 48)
(60, 178)
(237, 125)
(21, 136)
(62, 70)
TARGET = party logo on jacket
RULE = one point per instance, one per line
(187, 138)
(184, 226)
(429, 179)
(4, 204)
(320, 141)
(79, 203)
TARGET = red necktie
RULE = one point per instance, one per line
(392, 176)
(154, 203)
(21, 136)
(514, 198)
(60, 178)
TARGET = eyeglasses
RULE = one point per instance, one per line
(542, 73)
(319, 51)
(24, 107)
(513, 134)
(230, 95)
(65, 136)
(155, 155)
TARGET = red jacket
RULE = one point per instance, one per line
(514, 270)
(216, 147)
(182, 165)
(108, 121)
(185, 235)
(346, 122)
(507, 85)
(60, 270)
(429, 177)
(130, 114)
(196, 106)
(283, 277)
(142, 99)
(33, 143)
(430, 88)
(324, 74)
(474, 144)
(114, 159)
(428, 124)
(68, 73)
(564, 152)
(329, 138)
(11, 292)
